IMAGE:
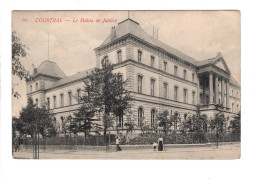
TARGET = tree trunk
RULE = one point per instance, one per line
(85, 131)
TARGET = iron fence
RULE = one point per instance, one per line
(97, 142)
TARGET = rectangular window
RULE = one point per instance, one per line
(184, 74)
(139, 56)
(61, 100)
(119, 56)
(30, 88)
(152, 87)
(232, 92)
(193, 97)
(185, 95)
(152, 61)
(237, 108)
(48, 102)
(78, 95)
(165, 90)
(175, 70)
(165, 66)
(36, 102)
(140, 83)
(201, 98)
(70, 97)
(176, 93)
(193, 77)
(54, 102)
(232, 108)
(36, 87)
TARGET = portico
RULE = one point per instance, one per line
(213, 85)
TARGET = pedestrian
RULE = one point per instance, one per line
(117, 144)
(160, 144)
(154, 146)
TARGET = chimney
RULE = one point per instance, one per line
(34, 70)
(113, 33)
(219, 54)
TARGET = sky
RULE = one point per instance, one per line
(199, 34)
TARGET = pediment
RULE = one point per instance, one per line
(220, 63)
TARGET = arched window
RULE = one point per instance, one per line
(204, 124)
(185, 116)
(153, 111)
(140, 116)
(175, 120)
(54, 121)
(105, 61)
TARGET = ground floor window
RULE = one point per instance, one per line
(153, 118)
(121, 120)
(140, 116)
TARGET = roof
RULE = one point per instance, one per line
(210, 60)
(129, 26)
(233, 81)
(70, 79)
(50, 68)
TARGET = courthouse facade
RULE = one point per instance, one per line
(160, 78)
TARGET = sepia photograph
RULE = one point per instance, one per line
(126, 85)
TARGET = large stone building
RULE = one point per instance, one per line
(159, 78)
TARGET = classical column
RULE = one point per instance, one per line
(216, 89)
(210, 88)
(198, 91)
(222, 92)
(227, 89)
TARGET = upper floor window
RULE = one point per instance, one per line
(36, 86)
(152, 61)
(193, 77)
(232, 110)
(70, 97)
(201, 98)
(119, 56)
(61, 100)
(140, 83)
(232, 92)
(78, 95)
(165, 66)
(54, 102)
(184, 73)
(30, 88)
(176, 93)
(185, 95)
(152, 86)
(139, 56)
(175, 70)
(193, 97)
(237, 108)
(165, 90)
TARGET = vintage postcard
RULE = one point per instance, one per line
(126, 85)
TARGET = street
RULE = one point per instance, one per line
(224, 151)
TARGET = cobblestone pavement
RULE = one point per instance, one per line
(224, 151)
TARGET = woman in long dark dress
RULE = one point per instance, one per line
(160, 144)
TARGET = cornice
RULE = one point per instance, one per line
(155, 70)
(134, 39)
